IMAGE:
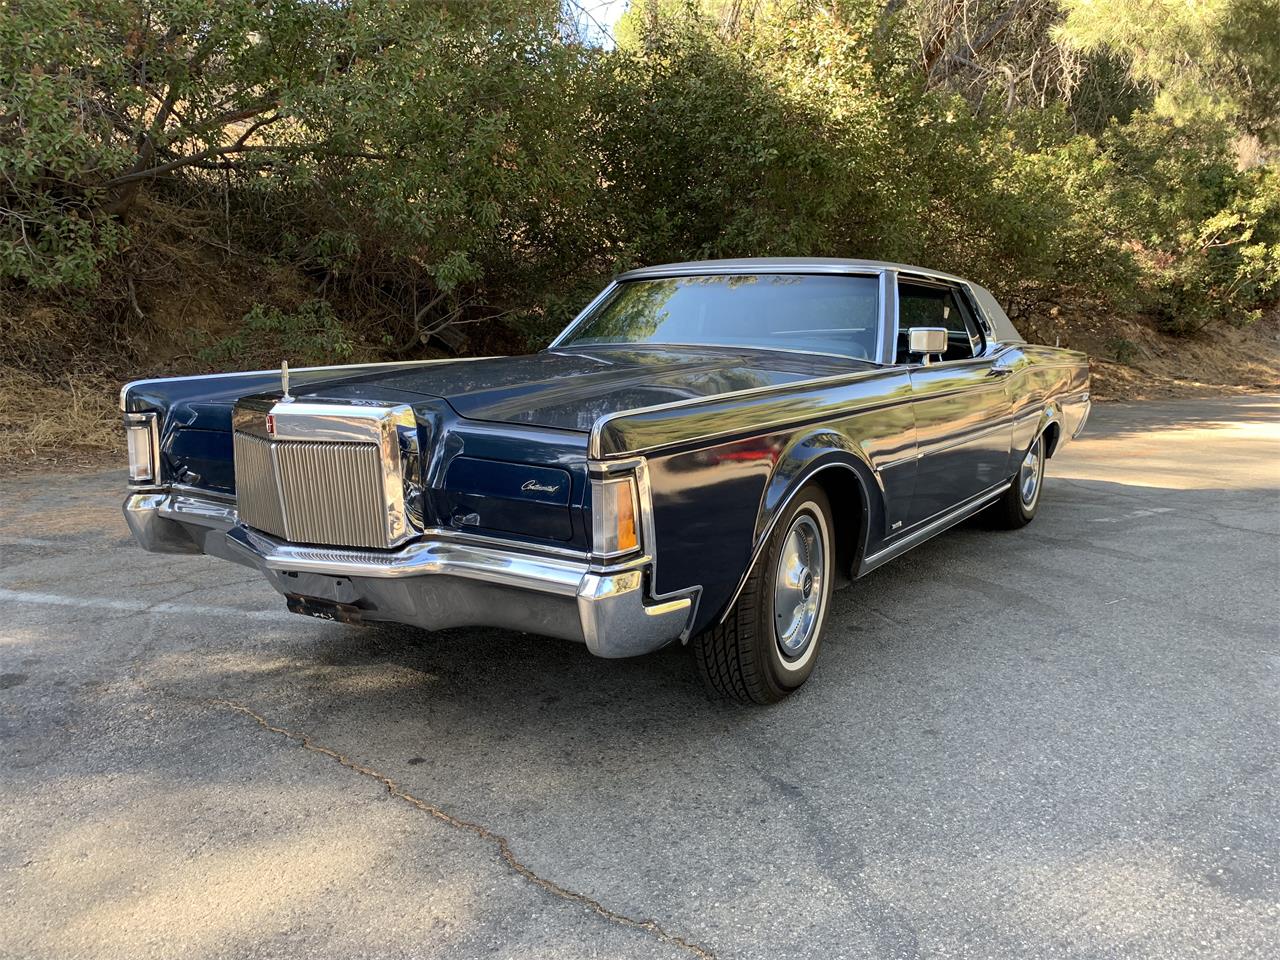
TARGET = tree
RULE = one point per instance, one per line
(1211, 58)
(416, 134)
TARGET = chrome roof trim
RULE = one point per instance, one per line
(778, 265)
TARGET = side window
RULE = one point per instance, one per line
(935, 305)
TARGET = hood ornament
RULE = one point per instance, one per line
(284, 382)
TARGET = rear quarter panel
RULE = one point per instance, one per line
(1049, 385)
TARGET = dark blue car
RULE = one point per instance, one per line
(701, 457)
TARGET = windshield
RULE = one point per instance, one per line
(810, 312)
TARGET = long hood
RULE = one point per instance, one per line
(571, 389)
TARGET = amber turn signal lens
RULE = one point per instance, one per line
(627, 537)
(614, 520)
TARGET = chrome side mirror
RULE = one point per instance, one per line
(927, 341)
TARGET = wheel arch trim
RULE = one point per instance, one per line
(1051, 430)
(830, 460)
(1044, 416)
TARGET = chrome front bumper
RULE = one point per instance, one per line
(430, 583)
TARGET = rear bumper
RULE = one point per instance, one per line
(430, 583)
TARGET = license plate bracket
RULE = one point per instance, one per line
(323, 609)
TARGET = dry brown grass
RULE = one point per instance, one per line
(74, 419)
(1132, 360)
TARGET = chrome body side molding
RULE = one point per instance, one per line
(914, 536)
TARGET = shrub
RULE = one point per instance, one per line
(1207, 234)
(310, 335)
(1122, 349)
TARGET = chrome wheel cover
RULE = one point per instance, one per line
(799, 587)
(1031, 474)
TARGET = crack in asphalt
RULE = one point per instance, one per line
(503, 845)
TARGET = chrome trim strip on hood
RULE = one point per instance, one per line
(124, 391)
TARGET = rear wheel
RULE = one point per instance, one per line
(1017, 507)
(766, 646)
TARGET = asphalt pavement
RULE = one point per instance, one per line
(1056, 742)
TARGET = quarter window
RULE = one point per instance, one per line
(936, 305)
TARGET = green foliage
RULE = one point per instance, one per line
(432, 170)
(48, 235)
(1207, 233)
(1211, 58)
(312, 334)
(1122, 349)
(414, 130)
(709, 154)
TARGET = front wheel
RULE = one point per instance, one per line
(1017, 507)
(766, 646)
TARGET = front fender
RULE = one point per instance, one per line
(802, 461)
(852, 485)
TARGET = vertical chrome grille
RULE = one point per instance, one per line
(257, 496)
(344, 492)
(332, 493)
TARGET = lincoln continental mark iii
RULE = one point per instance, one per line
(701, 457)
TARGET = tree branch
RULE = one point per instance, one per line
(213, 152)
(937, 43)
(975, 48)
(227, 117)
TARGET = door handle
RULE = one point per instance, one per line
(999, 368)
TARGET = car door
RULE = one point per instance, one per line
(960, 400)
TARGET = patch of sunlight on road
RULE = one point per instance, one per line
(122, 888)
(342, 680)
(1214, 455)
(17, 638)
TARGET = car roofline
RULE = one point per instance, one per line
(985, 300)
(779, 265)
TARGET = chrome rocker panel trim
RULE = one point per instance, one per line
(931, 528)
(435, 584)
